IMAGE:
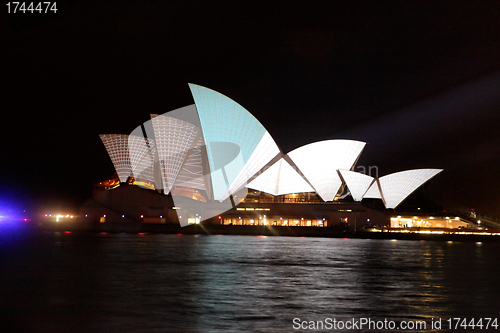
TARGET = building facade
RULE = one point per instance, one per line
(214, 161)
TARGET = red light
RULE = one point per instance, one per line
(220, 217)
(67, 232)
(141, 233)
(46, 215)
(302, 219)
(104, 233)
(179, 234)
(219, 235)
(26, 219)
(142, 216)
(180, 217)
(260, 235)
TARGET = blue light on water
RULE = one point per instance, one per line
(13, 231)
(14, 222)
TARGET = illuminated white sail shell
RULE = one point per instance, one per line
(319, 162)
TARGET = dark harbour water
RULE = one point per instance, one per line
(61, 282)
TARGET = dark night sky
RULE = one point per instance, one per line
(418, 81)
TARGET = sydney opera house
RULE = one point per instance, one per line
(214, 162)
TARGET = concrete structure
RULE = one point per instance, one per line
(215, 151)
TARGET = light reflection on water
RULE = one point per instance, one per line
(170, 283)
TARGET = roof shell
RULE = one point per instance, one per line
(319, 162)
(173, 138)
(279, 179)
(373, 191)
(141, 153)
(396, 187)
(225, 122)
(118, 150)
(358, 183)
